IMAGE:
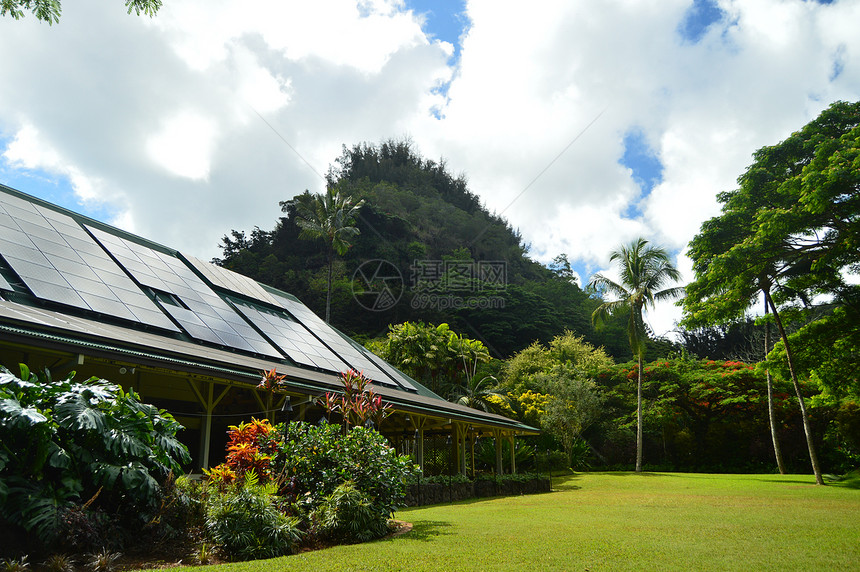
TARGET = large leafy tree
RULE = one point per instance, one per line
(645, 272)
(329, 217)
(788, 233)
(523, 371)
(573, 405)
(49, 10)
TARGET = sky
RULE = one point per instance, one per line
(585, 124)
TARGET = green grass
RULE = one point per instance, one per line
(619, 521)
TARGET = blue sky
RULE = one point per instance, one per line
(445, 20)
(585, 124)
(698, 18)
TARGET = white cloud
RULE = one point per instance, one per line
(183, 145)
(342, 32)
(29, 151)
(201, 119)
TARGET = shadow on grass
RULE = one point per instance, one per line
(564, 482)
(475, 500)
(853, 484)
(629, 474)
(850, 480)
(428, 530)
(788, 482)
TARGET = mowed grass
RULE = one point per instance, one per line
(619, 521)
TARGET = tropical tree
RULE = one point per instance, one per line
(480, 393)
(644, 271)
(49, 10)
(788, 233)
(523, 370)
(420, 350)
(573, 404)
(328, 217)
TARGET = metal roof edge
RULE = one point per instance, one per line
(434, 406)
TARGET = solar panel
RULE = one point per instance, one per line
(340, 346)
(292, 338)
(232, 281)
(4, 284)
(42, 247)
(55, 292)
(203, 314)
(392, 372)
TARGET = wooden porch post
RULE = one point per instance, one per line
(497, 436)
(462, 431)
(419, 423)
(209, 403)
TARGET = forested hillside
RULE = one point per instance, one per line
(438, 237)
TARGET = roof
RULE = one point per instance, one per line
(72, 283)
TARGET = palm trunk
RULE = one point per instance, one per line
(807, 428)
(328, 290)
(639, 417)
(777, 452)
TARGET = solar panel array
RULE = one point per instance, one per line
(291, 337)
(61, 261)
(58, 261)
(301, 334)
(356, 360)
(203, 313)
(398, 377)
(232, 281)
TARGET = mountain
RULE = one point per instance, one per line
(428, 250)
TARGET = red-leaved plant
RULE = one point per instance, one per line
(357, 404)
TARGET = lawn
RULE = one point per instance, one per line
(619, 521)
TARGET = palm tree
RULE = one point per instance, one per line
(480, 394)
(644, 271)
(329, 217)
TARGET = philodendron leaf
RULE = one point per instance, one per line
(76, 413)
(59, 457)
(16, 416)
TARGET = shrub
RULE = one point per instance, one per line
(316, 459)
(348, 515)
(59, 563)
(103, 561)
(357, 404)
(14, 565)
(66, 440)
(305, 465)
(84, 529)
(509, 478)
(246, 523)
(455, 479)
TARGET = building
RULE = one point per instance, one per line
(194, 338)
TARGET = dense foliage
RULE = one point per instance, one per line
(443, 360)
(789, 234)
(71, 450)
(706, 415)
(245, 521)
(339, 485)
